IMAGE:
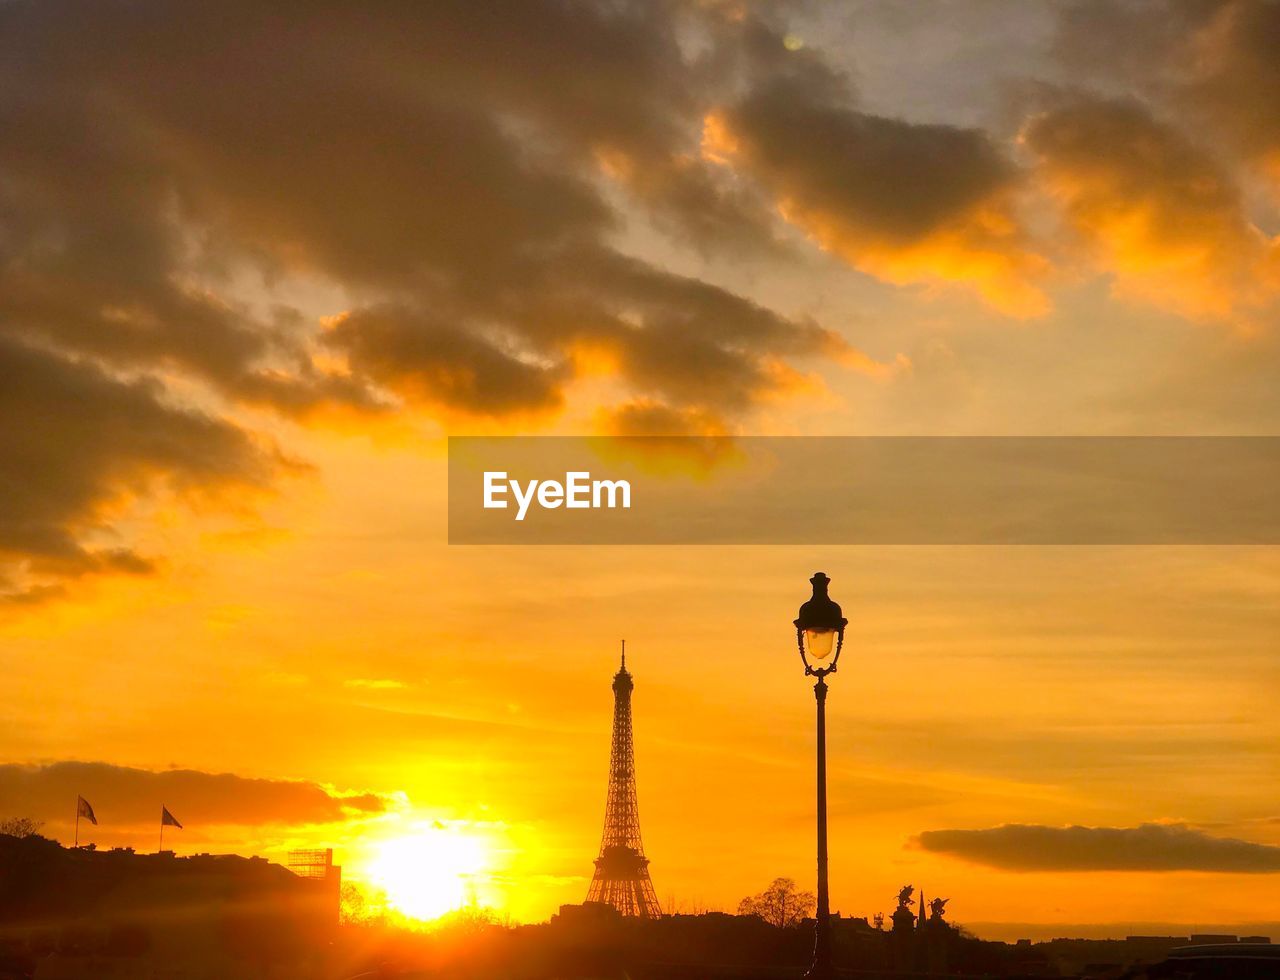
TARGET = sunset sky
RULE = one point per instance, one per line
(255, 266)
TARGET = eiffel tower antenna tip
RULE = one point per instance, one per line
(624, 654)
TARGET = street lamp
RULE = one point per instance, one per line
(819, 635)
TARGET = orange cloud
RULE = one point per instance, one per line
(645, 417)
(906, 203)
(663, 445)
(1154, 210)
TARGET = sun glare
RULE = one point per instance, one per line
(430, 872)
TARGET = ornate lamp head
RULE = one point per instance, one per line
(820, 629)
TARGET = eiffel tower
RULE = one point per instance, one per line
(622, 870)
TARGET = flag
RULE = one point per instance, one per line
(83, 809)
(167, 819)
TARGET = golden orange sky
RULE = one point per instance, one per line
(238, 318)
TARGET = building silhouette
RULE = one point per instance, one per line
(119, 915)
(318, 866)
(621, 877)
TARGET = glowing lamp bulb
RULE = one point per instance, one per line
(819, 643)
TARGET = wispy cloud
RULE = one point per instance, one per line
(375, 683)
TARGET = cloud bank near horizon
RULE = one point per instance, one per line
(127, 797)
(1147, 847)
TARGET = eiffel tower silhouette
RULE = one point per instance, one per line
(622, 870)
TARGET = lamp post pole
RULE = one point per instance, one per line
(822, 927)
(819, 635)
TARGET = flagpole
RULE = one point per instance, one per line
(161, 851)
(77, 843)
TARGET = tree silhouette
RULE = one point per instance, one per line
(780, 904)
(20, 826)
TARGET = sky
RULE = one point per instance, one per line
(256, 266)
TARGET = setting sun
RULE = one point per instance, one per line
(430, 872)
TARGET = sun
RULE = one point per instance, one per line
(429, 872)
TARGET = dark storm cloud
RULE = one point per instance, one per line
(76, 441)
(123, 796)
(1148, 847)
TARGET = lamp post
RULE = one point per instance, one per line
(819, 635)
